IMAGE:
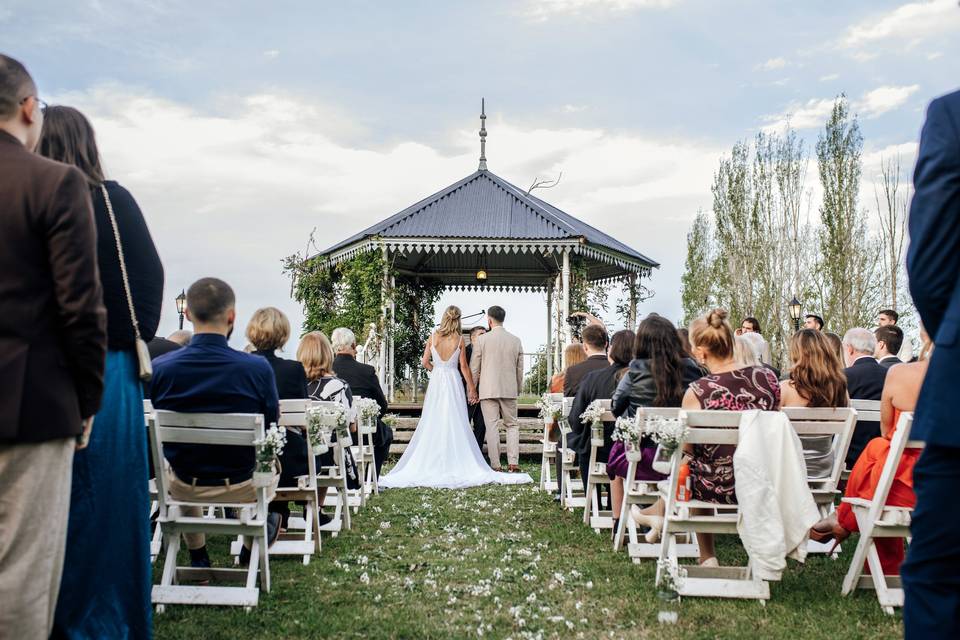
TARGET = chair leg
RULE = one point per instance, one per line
(588, 504)
(622, 524)
(852, 578)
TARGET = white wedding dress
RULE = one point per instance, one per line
(443, 452)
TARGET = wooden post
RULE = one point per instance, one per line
(565, 294)
(632, 316)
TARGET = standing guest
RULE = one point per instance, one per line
(363, 382)
(836, 344)
(316, 356)
(889, 317)
(657, 377)
(931, 575)
(207, 376)
(474, 415)
(595, 347)
(53, 339)
(108, 549)
(599, 385)
(728, 387)
(816, 380)
(269, 330)
(813, 321)
(750, 325)
(865, 379)
(900, 393)
(889, 341)
(573, 354)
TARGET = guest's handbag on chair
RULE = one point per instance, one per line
(143, 354)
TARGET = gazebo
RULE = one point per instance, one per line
(483, 232)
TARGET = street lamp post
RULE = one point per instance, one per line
(795, 309)
(181, 306)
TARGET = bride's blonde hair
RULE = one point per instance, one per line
(450, 323)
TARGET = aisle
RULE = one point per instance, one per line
(504, 562)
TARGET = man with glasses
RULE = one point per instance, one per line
(52, 348)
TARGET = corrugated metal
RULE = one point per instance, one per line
(483, 205)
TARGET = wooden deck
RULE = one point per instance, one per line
(531, 431)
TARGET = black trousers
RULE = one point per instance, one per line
(381, 448)
(931, 573)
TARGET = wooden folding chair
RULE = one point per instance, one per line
(302, 537)
(706, 427)
(839, 424)
(234, 429)
(548, 457)
(877, 520)
(598, 519)
(571, 495)
(644, 493)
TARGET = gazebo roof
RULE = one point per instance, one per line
(484, 217)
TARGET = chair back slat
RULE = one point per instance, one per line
(898, 443)
(838, 422)
(233, 421)
(867, 410)
(193, 435)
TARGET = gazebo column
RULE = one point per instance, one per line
(382, 357)
(632, 316)
(565, 295)
(549, 353)
(392, 378)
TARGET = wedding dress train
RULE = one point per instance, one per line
(443, 452)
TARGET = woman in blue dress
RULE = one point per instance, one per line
(105, 590)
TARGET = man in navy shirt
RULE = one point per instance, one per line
(207, 376)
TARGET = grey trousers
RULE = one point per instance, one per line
(35, 482)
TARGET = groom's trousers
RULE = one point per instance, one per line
(494, 410)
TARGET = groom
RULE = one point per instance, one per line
(497, 362)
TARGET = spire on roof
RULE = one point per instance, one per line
(483, 136)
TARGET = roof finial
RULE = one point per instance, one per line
(483, 135)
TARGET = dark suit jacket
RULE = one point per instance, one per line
(933, 264)
(864, 382)
(364, 383)
(53, 336)
(889, 361)
(159, 346)
(290, 376)
(598, 384)
(574, 374)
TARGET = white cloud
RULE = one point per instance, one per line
(830, 77)
(884, 99)
(541, 10)
(934, 55)
(271, 54)
(906, 26)
(573, 108)
(772, 64)
(229, 193)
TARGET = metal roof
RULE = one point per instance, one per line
(484, 206)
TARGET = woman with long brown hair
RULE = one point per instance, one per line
(816, 380)
(108, 536)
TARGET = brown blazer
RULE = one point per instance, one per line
(53, 324)
(497, 364)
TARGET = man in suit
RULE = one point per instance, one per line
(595, 339)
(813, 321)
(931, 574)
(363, 382)
(888, 317)
(497, 362)
(889, 340)
(207, 376)
(53, 342)
(865, 378)
(473, 410)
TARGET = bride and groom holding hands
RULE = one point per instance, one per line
(443, 452)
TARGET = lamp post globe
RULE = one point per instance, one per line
(795, 310)
(181, 305)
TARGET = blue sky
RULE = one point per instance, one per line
(241, 126)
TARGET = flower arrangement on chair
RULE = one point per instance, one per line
(269, 448)
(630, 432)
(368, 410)
(550, 412)
(593, 415)
(321, 422)
(669, 434)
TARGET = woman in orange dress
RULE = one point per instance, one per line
(900, 393)
(573, 354)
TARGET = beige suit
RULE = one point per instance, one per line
(497, 366)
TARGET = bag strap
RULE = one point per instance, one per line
(123, 263)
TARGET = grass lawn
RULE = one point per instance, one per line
(506, 562)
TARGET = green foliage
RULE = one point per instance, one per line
(698, 277)
(535, 382)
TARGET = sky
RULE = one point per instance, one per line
(240, 127)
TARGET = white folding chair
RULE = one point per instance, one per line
(598, 519)
(334, 478)
(837, 423)
(152, 488)
(644, 493)
(706, 428)
(548, 456)
(366, 461)
(233, 429)
(571, 494)
(876, 519)
(867, 411)
(302, 537)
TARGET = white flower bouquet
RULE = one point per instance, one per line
(269, 448)
(593, 415)
(669, 434)
(550, 411)
(368, 410)
(322, 420)
(391, 420)
(629, 432)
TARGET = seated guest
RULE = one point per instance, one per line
(865, 379)
(836, 345)
(657, 377)
(813, 321)
(573, 354)
(728, 387)
(816, 380)
(684, 334)
(159, 346)
(207, 376)
(363, 382)
(316, 356)
(595, 346)
(743, 353)
(900, 393)
(181, 336)
(269, 330)
(599, 385)
(749, 325)
(889, 341)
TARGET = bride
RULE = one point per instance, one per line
(443, 452)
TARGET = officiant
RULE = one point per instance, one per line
(473, 410)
